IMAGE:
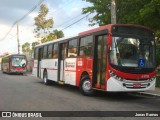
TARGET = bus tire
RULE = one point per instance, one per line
(45, 78)
(85, 86)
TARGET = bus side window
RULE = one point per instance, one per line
(64, 49)
(50, 51)
(55, 51)
(36, 54)
(45, 52)
(86, 45)
(72, 48)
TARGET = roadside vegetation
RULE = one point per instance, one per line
(158, 78)
(158, 64)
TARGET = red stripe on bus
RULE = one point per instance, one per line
(57, 69)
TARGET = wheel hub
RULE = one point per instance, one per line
(86, 85)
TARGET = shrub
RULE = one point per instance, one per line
(158, 81)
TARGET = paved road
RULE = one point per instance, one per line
(28, 93)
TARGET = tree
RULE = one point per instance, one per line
(58, 34)
(26, 48)
(6, 53)
(48, 37)
(158, 56)
(42, 24)
(102, 10)
(158, 52)
(34, 44)
(143, 12)
(52, 36)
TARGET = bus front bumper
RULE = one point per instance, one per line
(17, 71)
(114, 85)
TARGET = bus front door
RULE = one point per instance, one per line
(39, 62)
(61, 61)
(100, 60)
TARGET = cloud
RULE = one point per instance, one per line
(10, 11)
(74, 9)
(9, 44)
(18, 4)
(64, 13)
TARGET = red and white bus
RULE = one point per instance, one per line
(15, 63)
(114, 57)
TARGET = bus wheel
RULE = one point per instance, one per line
(45, 78)
(85, 86)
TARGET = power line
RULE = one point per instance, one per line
(67, 21)
(68, 3)
(30, 11)
(75, 22)
(8, 31)
(54, 11)
(72, 23)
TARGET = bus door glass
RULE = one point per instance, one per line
(62, 53)
(100, 59)
(39, 62)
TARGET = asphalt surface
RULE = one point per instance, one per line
(28, 93)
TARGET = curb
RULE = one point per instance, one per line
(150, 94)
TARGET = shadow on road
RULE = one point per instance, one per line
(113, 96)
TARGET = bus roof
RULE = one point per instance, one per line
(109, 27)
(14, 55)
(95, 30)
(57, 40)
(101, 28)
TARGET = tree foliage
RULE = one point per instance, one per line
(143, 12)
(44, 27)
(41, 22)
(6, 53)
(26, 48)
(158, 53)
(52, 36)
(48, 37)
(34, 44)
(158, 57)
(58, 34)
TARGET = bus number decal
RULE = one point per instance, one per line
(80, 63)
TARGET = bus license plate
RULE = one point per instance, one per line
(137, 85)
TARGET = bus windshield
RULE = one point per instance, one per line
(18, 61)
(132, 52)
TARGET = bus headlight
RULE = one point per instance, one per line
(150, 80)
(112, 74)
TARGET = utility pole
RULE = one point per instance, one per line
(113, 11)
(18, 38)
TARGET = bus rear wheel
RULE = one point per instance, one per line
(45, 78)
(85, 86)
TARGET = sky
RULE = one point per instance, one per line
(63, 12)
